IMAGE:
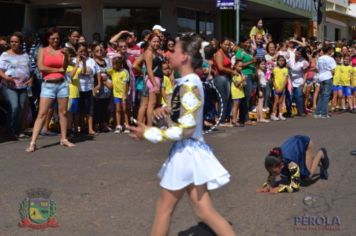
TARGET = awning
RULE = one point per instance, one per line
(335, 22)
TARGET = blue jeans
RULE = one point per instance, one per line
(288, 102)
(222, 84)
(251, 85)
(16, 99)
(267, 94)
(298, 98)
(324, 96)
(245, 104)
(209, 101)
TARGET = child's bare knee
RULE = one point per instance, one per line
(202, 212)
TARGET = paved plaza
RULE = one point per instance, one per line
(108, 186)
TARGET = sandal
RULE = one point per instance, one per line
(66, 143)
(22, 135)
(251, 123)
(225, 125)
(93, 134)
(31, 148)
(237, 125)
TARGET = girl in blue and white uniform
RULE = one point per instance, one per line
(191, 166)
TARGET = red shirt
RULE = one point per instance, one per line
(226, 63)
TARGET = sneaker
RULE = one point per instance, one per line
(323, 173)
(316, 116)
(281, 117)
(274, 117)
(118, 129)
(47, 133)
(325, 160)
(254, 110)
(325, 116)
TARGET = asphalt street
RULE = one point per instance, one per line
(108, 186)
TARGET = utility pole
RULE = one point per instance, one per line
(321, 14)
(237, 9)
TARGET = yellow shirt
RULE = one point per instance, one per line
(255, 31)
(74, 85)
(237, 92)
(280, 78)
(345, 75)
(119, 80)
(168, 87)
(353, 78)
(337, 75)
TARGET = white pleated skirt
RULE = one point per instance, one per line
(192, 162)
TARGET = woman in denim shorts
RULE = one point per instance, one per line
(52, 63)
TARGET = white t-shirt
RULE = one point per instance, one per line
(262, 78)
(296, 70)
(326, 64)
(16, 66)
(87, 80)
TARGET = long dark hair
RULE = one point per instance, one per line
(303, 51)
(50, 31)
(285, 61)
(274, 158)
(268, 44)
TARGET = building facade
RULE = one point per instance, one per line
(283, 18)
(340, 20)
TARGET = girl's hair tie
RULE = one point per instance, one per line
(275, 152)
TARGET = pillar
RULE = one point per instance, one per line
(298, 28)
(28, 18)
(169, 16)
(92, 18)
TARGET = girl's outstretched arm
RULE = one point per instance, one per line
(182, 127)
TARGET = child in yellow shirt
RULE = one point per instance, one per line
(280, 79)
(120, 80)
(237, 90)
(72, 72)
(345, 83)
(353, 88)
(335, 102)
(167, 85)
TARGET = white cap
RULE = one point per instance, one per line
(158, 27)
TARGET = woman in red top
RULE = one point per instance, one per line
(224, 72)
(52, 63)
(169, 48)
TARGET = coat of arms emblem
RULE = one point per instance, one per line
(37, 211)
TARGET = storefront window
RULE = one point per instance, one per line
(15, 24)
(206, 24)
(195, 21)
(116, 19)
(63, 18)
(186, 20)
